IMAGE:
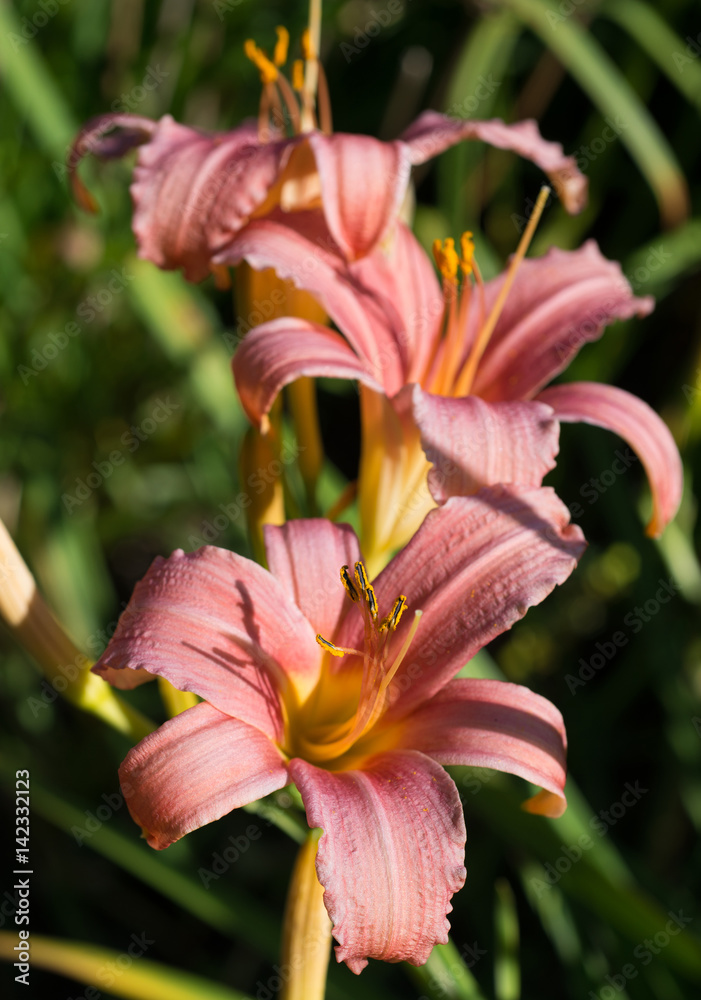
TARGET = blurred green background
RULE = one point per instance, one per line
(147, 373)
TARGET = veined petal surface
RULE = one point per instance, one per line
(639, 425)
(495, 724)
(557, 304)
(472, 443)
(363, 182)
(391, 856)
(474, 568)
(194, 769)
(217, 624)
(432, 132)
(306, 557)
(193, 191)
(302, 251)
(276, 353)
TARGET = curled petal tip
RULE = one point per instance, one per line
(545, 804)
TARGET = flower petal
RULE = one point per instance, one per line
(474, 568)
(196, 768)
(639, 425)
(217, 624)
(557, 304)
(296, 247)
(403, 274)
(98, 136)
(306, 557)
(193, 191)
(432, 132)
(363, 182)
(276, 353)
(487, 723)
(474, 444)
(391, 855)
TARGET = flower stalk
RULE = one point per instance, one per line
(30, 620)
(306, 941)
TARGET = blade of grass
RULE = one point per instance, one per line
(446, 975)
(507, 972)
(141, 979)
(660, 42)
(599, 77)
(32, 89)
(627, 909)
(485, 55)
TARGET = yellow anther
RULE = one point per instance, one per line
(361, 576)
(394, 617)
(372, 600)
(268, 71)
(307, 49)
(446, 258)
(329, 646)
(348, 584)
(467, 253)
(298, 74)
(283, 41)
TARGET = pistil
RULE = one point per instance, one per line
(464, 382)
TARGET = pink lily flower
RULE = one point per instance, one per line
(346, 688)
(490, 347)
(193, 191)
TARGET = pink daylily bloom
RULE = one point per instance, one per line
(193, 191)
(347, 689)
(400, 329)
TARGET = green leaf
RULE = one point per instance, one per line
(31, 87)
(446, 975)
(141, 979)
(507, 973)
(660, 42)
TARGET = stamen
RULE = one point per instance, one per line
(394, 617)
(307, 47)
(467, 253)
(361, 576)
(298, 74)
(402, 652)
(283, 42)
(336, 650)
(464, 382)
(348, 584)
(446, 258)
(372, 601)
(268, 71)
